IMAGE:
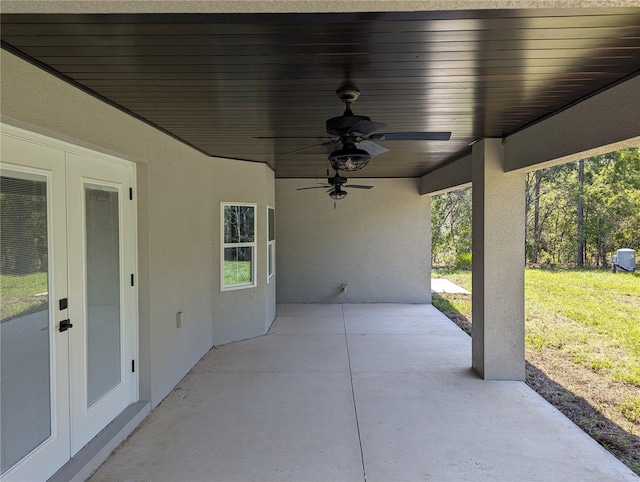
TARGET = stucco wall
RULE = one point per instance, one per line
(179, 191)
(244, 313)
(376, 241)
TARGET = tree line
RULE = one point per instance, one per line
(577, 214)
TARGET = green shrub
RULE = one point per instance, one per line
(631, 409)
(463, 260)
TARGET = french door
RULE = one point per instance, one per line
(68, 319)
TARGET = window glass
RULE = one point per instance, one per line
(238, 224)
(271, 243)
(272, 224)
(237, 266)
(238, 246)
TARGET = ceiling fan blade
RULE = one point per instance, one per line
(411, 136)
(357, 186)
(291, 137)
(332, 142)
(312, 187)
(365, 127)
(372, 148)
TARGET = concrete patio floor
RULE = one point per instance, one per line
(337, 392)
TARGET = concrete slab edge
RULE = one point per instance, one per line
(96, 452)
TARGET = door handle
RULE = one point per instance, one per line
(65, 325)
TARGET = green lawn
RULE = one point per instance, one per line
(591, 316)
(237, 272)
(18, 293)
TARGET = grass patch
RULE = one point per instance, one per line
(581, 313)
(582, 340)
(237, 273)
(456, 308)
(630, 409)
(19, 293)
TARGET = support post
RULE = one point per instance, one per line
(498, 265)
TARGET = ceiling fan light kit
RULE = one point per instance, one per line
(349, 158)
(356, 133)
(335, 184)
(337, 194)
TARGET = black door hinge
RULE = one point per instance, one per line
(133, 366)
(132, 280)
(131, 194)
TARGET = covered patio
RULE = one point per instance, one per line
(194, 108)
(355, 392)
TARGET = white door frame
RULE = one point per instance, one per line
(83, 171)
(21, 159)
(29, 145)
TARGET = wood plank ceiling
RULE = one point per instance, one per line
(221, 82)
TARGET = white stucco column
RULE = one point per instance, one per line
(498, 265)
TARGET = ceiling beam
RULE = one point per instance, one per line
(602, 123)
(454, 175)
(605, 122)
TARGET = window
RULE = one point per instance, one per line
(271, 244)
(238, 246)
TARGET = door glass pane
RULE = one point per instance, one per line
(103, 291)
(25, 388)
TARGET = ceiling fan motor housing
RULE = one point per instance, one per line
(348, 93)
(336, 180)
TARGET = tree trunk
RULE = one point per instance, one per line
(580, 253)
(536, 218)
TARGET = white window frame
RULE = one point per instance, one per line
(271, 247)
(251, 245)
